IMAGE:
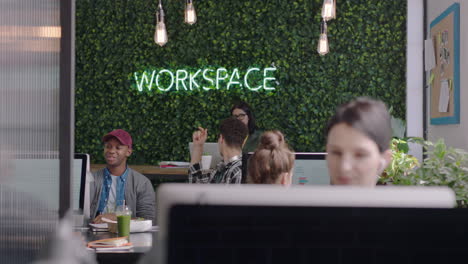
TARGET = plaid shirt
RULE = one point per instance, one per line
(230, 172)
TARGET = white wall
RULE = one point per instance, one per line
(415, 73)
(454, 135)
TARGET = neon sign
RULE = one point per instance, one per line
(165, 80)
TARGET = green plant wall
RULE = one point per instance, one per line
(114, 39)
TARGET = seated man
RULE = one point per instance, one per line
(232, 135)
(118, 183)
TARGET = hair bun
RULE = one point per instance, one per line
(271, 159)
(271, 140)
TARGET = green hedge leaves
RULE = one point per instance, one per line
(114, 39)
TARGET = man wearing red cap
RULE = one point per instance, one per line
(117, 183)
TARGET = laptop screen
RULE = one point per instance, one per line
(210, 148)
(310, 168)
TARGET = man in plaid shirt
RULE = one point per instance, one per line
(232, 136)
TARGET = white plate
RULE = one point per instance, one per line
(103, 225)
(135, 226)
(114, 248)
(182, 164)
(140, 226)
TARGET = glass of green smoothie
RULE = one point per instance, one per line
(124, 215)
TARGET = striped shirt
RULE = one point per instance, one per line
(229, 173)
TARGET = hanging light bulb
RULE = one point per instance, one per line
(160, 35)
(190, 14)
(322, 47)
(329, 9)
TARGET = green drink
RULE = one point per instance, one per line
(123, 225)
(124, 215)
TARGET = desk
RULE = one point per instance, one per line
(155, 173)
(142, 243)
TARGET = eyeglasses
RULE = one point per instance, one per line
(240, 116)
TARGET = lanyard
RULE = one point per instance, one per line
(106, 189)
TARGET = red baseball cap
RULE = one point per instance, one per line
(121, 135)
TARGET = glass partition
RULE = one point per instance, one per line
(29, 123)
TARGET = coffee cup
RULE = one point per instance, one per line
(206, 162)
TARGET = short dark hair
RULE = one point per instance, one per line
(233, 131)
(248, 110)
(367, 115)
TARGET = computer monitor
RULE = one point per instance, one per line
(171, 195)
(210, 148)
(310, 168)
(44, 184)
(80, 163)
(282, 234)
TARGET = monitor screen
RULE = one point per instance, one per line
(79, 179)
(268, 234)
(265, 195)
(310, 169)
(44, 184)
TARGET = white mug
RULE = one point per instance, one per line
(206, 162)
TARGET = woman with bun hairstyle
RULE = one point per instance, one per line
(272, 162)
(243, 112)
(358, 142)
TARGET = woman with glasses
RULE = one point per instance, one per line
(243, 112)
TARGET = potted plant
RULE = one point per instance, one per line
(401, 166)
(443, 166)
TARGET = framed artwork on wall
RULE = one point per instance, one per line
(445, 76)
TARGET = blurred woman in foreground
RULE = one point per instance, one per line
(358, 142)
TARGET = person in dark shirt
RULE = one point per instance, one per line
(243, 112)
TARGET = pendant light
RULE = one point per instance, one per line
(322, 47)
(329, 9)
(160, 35)
(190, 14)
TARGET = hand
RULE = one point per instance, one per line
(199, 137)
(110, 216)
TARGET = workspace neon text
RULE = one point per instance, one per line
(166, 80)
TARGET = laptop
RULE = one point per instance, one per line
(210, 148)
